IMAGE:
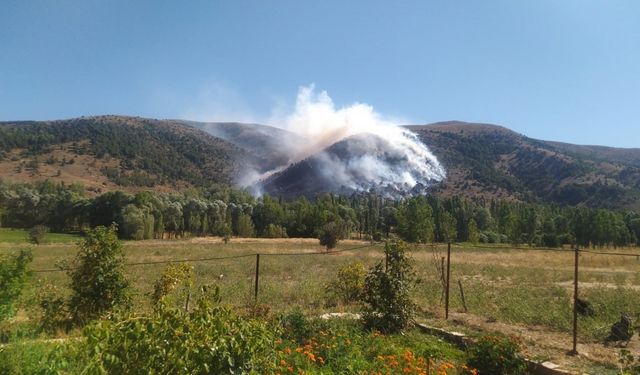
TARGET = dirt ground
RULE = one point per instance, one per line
(545, 344)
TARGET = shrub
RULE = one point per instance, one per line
(37, 234)
(209, 339)
(296, 326)
(173, 277)
(13, 277)
(330, 234)
(348, 285)
(497, 355)
(97, 279)
(54, 310)
(388, 307)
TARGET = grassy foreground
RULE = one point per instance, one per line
(514, 286)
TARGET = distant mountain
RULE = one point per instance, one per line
(111, 152)
(490, 161)
(481, 160)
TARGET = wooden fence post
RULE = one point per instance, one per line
(446, 292)
(574, 350)
(257, 276)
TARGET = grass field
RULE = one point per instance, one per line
(513, 290)
(19, 236)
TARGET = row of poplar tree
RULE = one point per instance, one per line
(223, 211)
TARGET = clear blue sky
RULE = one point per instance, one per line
(565, 70)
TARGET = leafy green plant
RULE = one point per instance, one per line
(209, 339)
(388, 306)
(175, 276)
(54, 311)
(497, 355)
(98, 283)
(348, 285)
(13, 277)
(296, 326)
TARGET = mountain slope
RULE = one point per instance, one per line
(494, 162)
(267, 144)
(109, 152)
(481, 160)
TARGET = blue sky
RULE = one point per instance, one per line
(566, 70)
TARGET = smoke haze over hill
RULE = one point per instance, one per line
(375, 151)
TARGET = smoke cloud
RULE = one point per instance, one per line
(356, 147)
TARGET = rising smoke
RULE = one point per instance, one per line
(356, 147)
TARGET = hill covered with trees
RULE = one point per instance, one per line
(494, 162)
(108, 153)
(116, 152)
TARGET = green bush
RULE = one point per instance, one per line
(209, 339)
(388, 306)
(26, 358)
(330, 233)
(13, 277)
(37, 234)
(497, 355)
(296, 326)
(348, 285)
(97, 275)
(179, 278)
(54, 312)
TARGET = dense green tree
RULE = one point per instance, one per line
(245, 226)
(97, 276)
(415, 220)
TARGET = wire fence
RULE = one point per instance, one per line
(576, 295)
(578, 298)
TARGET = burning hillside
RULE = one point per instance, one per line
(348, 149)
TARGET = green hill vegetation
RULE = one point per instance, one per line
(118, 151)
(493, 162)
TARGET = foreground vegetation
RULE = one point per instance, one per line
(206, 337)
(530, 287)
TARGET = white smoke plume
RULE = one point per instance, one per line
(378, 153)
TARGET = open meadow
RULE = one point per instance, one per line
(523, 292)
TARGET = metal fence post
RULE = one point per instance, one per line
(257, 276)
(574, 350)
(446, 292)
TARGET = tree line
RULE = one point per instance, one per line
(226, 212)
